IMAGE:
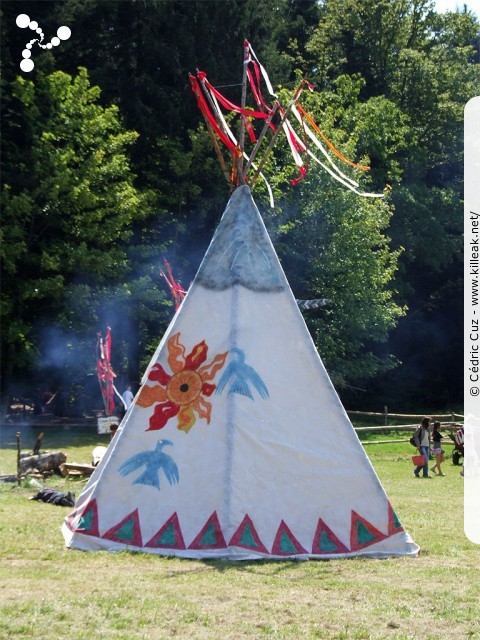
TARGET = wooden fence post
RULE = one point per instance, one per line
(385, 419)
(19, 448)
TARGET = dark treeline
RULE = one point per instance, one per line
(107, 169)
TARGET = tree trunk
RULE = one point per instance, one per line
(43, 462)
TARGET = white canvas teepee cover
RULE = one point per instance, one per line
(237, 445)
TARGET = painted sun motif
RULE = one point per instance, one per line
(181, 393)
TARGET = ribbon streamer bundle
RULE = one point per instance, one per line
(211, 101)
(176, 290)
(105, 373)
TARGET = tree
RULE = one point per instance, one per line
(69, 205)
(426, 66)
(333, 243)
(391, 81)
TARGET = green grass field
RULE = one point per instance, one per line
(50, 593)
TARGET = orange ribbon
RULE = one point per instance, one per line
(329, 144)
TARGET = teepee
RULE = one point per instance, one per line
(237, 445)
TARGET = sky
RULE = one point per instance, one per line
(451, 5)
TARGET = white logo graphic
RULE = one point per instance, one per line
(24, 22)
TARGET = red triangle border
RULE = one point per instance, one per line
(355, 545)
(179, 541)
(197, 541)
(137, 536)
(235, 540)
(322, 526)
(284, 528)
(74, 518)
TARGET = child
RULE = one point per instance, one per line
(437, 449)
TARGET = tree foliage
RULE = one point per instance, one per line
(334, 243)
(69, 211)
(102, 180)
(426, 65)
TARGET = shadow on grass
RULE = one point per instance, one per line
(272, 567)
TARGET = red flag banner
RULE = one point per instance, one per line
(105, 372)
(176, 290)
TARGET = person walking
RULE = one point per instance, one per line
(422, 441)
(437, 449)
(127, 397)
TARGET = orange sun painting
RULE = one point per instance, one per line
(183, 392)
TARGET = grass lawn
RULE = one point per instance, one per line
(50, 593)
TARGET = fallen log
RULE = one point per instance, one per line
(42, 463)
(8, 478)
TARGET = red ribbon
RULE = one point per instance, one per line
(204, 108)
(227, 103)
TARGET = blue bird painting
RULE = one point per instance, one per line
(240, 376)
(153, 461)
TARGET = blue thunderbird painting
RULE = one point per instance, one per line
(240, 376)
(153, 461)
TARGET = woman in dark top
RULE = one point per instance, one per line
(437, 449)
(422, 441)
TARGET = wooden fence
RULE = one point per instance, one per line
(450, 422)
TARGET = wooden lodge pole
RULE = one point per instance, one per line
(241, 134)
(212, 133)
(260, 138)
(275, 135)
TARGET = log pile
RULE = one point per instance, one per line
(43, 463)
(74, 469)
